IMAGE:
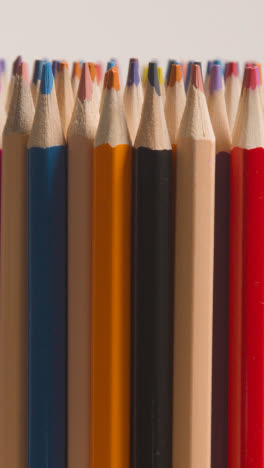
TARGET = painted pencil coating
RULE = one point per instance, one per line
(46, 283)
(246, 345)
(151, 299)
(111, 277)
(13, 298)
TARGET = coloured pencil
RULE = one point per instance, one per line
(133, 98)
(188, 74)
(16, 62)
(81, 136)
(151, 297)
(232, 92)
(161, 84)
(168, 71)
(261, 90)
(219, 119)
(35, 85)
(75, 78)
(246, 350)
(95, 84)
(193, 309)
(111, 278)
(144, 77)
(103, 91)
(13, 302)
(47, 282)
(64, 96)
(207, 77)
(99, 70)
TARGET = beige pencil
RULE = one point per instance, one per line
(133, 98)
(13, 328)
(64, 96)
(81, 136)
(194, 250)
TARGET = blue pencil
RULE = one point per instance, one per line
(46, 283)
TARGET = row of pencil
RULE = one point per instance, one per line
(132, 264)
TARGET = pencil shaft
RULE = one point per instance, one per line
(220, 311)
(111, 306)
(13, 329)
(79, 298)
(152, 309)
(46, 307)
(246, 323)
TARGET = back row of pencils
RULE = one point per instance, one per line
(132, 293)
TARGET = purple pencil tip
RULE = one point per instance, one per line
(216, 82)
(133, 73)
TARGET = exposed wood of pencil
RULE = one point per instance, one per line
(195, 177)
(64, 96)
(13, 329)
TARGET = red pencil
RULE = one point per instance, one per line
(246, 320)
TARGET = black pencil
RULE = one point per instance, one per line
(152, 314)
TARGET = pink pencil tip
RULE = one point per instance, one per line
(196, 77)
(251, 78)
(22, 70)
(85, 87)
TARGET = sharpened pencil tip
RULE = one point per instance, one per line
(168, 71)
(85, 86)
(113, 79)
(153, 76)
(175, 74)
(216, 81)
(258, 65)
(160, 76)
(231, 69)
(15, 65)
(196, 77)
(251, 78)
(76, 69)
(63, 65)
(99, 70)
(110, 64)
(37, 71)
(133, 73)
(55, 67)
(93, 71)
(46, 84)
(22, 70)
(209, 66)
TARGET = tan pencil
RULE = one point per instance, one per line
(81, 136)
(13, 329)
(64, 96)
(194, 249)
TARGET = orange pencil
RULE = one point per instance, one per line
(111, 277)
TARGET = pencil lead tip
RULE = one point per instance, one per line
(76, 69)
(188, 74)
(17, 61)
(64, 65)
(110, 64)
(160, 75)
(168, 71)
(133, 73)
(93, 71)
(231, 69)
(175, 74)
(251, 78)
(37, 71)
(85, 86)
(196, 77)
(22, 70)
(209, 66)
(55, 67)
(113, 79)
(216, 82)
(99, 71)
(258, 65)
(46, 84)
(153, 77)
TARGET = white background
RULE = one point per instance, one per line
(81, 29)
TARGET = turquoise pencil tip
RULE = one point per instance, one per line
(110, 64)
